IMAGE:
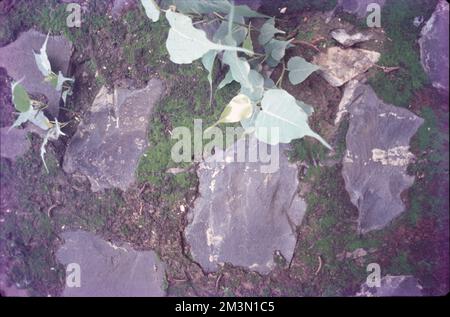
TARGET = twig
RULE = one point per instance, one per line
(300, 42)
(218, 281)
(49, 210)
(279, 81)
(320, 265)
(386, 69)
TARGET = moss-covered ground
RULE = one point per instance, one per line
(149, 215)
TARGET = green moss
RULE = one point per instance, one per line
(330, 221)
(401, 50)
(307, 150)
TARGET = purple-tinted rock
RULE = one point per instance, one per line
(13, 143)
(109, 270)
(243, 216)
(377, 156)
(112, 136)
(18, 60)
(434, 46)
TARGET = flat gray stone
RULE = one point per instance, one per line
(338, 66)
(18, 60)
(242, 215)
(359, 7)
(13, 143)
(110, 270)
(402, 285)
(113, 136)
(377, 156)
(434, 46)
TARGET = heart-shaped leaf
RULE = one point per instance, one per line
(276, 49)
(151, 9)
(239, 108)
(299, 69)
(281, 112)
(267, 32)
(34, 116)
(210, 6)
(20, 97)
(42, 61)
(185, 43)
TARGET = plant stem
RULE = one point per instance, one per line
(280, 80)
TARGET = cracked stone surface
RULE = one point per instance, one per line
(109, 270)
(401, 285)
(18, 60)
(338, 65)
(113, 136)
(434, 46)
(377, 156)
(243, 215)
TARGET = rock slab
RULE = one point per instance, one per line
(109, 270)
(13, 143)
(113, 136)
(243, 215)
(338, 66)
(18, 60)
(434, 46)
(377, 156)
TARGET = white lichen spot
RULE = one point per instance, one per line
(213, 258)
(212, 186)
(212, 239)
(139, 143)
(348, 158)
(396, 156)
(115, 247)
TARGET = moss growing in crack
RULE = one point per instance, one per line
(331, 221)
(401, 50)
(188, 100)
